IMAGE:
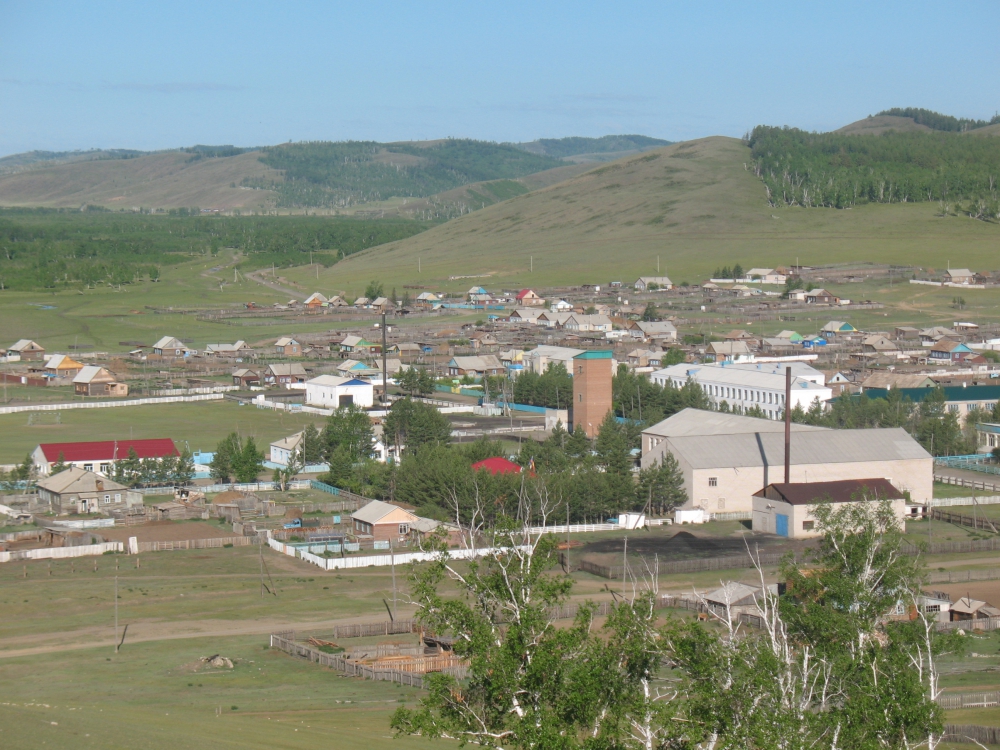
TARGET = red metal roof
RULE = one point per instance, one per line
(105, 450)
(497, 465)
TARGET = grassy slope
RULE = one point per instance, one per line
(162, 180)
(692, 204)
(882, 124)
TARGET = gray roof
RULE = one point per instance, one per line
(376, 510)
(697, 422)
(808, 447)
(78, 480)
(94, 373)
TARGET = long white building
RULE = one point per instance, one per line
(749, 385)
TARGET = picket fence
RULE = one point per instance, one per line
(972, 734)
(60, 553)
(953, 701)
(986, 623)
(111, 404)
(298, 484)
(377, 561)
(963, 576)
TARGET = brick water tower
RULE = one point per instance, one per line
(591, 389)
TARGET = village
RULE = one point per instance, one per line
(741, 420)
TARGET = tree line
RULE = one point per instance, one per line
(835, 170)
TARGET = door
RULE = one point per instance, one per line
(781, 524)
(346, 400)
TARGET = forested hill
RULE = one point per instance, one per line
(562, 148)
(843, 170)
(938, 121)
(347, 173)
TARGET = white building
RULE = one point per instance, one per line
(745, 386)
(331, 392)
(539, 358)
(765, 276)
(282, 451)
(643, 283)
(725, 459)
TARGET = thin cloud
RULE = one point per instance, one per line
(173, 88)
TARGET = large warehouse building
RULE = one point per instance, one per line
(726, 458)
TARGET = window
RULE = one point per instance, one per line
(808, 525)
(118, 497)
(107, 499)
(581, 398)
(932, 608)
(713, 481)
(404, 528)
(105, 468)
(951, 407)
(88, 467)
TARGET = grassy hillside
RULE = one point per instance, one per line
(694, 205)
(562, 148)
(882, 124)
(168, 179)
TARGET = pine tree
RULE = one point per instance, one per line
(60, 464)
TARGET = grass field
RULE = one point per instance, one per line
(694, 205)
(199, 425)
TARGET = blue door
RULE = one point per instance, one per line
(781, 524)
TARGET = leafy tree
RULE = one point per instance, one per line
(350, 427)
(661, 486)
(412, 424)
(236, 459)
(249, 462)
(650, 313)
(553, 388)
(283, 476)
(184, 468)
(374, 289)
(128, 470)
(311, 446)
(60, 464)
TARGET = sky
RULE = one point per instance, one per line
(151, 75)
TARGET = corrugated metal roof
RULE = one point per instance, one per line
(376, 510)
(699, 422)
(108, 450)
(820, 447)
(78, 480)
(842, 491)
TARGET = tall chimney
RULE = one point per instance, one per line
(788, 424)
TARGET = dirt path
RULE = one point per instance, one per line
(261, 278)
(154, 630)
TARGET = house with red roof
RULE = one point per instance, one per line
(528, 298)
(100, 456)
(497, 465)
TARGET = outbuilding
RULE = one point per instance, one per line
(789, 509)
(331, 392)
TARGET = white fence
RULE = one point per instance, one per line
(944, 502)
(110, 404)
(59, 553)
(574, 528)
(376, 561)
(194, 391)
(90, 523)
(262, 403)
(297, 484)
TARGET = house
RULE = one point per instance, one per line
(482, 339)
(486, 364)
(285, 450)
(362, 302)
(553, 319)
(525, 315)
(358, 345)
(884, 379)
(62, 366)
(778, 346)
(838, 382)
(406, 349)
(582, 323)
(725, 458)
(906, 332)
(337, 301)
(821, 297)
(561, 306)
(239, 350)
(930, 336)
(285, 374)
(946, 350)
(93, 380)
(653, 283)
(168, 346)
(287, 347)
(99, 456)
(245, 378)
(837, 328)
(538, 359)
(528, 298)
(879, 344)
(27, 350)
(383, 522)
(659, 330)
(393, 366)
(794, 336)
(354, 368)
(789, 509)
(959, 276)
(77, 490)
(497, 465)
(967, 608)
(382, 304)
(427, 299)
(644, 358)
(315, 300)
(766, 276)
(332, 392)
(425, 528)
(727, 351)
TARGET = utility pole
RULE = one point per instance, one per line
(116, 614)
(385, 389)
(788, 424)
(392, 555)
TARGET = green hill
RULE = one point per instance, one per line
(694, 205)
(563, 148)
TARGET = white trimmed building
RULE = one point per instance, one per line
(331, 392)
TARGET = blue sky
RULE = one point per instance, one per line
(153, 75)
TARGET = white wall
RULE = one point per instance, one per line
(328, 396)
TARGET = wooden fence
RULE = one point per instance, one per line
(357, 630)
(962, 576)
(680, 566)
(953, 701)
(963, 482)
(355, 669)
(233, 541)
(975, 521)
(972, 734)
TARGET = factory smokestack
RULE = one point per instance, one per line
(788, 424)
